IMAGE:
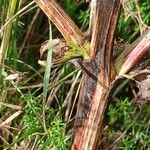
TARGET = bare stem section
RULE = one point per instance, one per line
(94, 97)
(61, 20)
(104, 24)
(136, 54)
(133, 54)
(90, 117)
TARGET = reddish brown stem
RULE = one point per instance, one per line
(62, 21)
(136, 54)
(94, 97)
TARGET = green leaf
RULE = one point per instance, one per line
(78, 51)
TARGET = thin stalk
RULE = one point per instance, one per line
(122, 58)
(47, 75)
(5, 45)
(7, 32)
(93, 5)
(29, 31)
(134, 57)
(62, 21)
(20, 12)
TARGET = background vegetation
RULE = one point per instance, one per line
(37, 115)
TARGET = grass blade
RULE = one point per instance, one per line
(47, 73)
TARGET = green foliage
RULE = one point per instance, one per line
(78, 11)
(84, 19)
(131, 122)
(145, 9)
(55, 137)
(31, 118)
(128, 27)
(33, 126)
(77, 51)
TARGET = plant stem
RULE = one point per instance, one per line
(136, 54)
(94, 97)
(7, 32)
(5, 45)
(62, 21)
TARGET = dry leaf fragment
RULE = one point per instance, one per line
(142, 80)
(15, 75)
(42, 63)
(12, 76)
(59, 47)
